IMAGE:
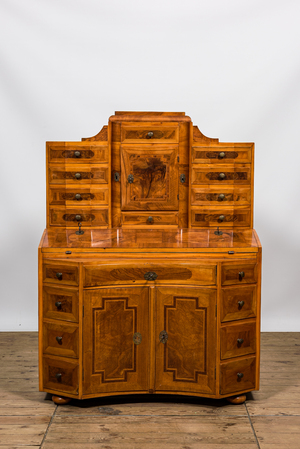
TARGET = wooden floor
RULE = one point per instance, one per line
(270, 419)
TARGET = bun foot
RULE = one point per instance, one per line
(237, 399)
(60, 400)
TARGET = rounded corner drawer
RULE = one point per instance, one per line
(60, 375)
(237, 375)
(60, 274)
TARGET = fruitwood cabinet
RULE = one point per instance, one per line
(149, 268)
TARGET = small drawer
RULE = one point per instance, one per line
(80, 175)
(75, 196)
(60, 304)
(221, 196)
(222, 154)
(60, 339)
(149, 219)
(230, 175)
(60, 274)
(230, 218)
(237, 375)
(77, 154)
(60, 375)
(151, 132)
(149, 273)
(239, 273)
(238, 340)
(238, 303)
(71, 217)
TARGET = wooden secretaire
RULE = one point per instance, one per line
(149, 268)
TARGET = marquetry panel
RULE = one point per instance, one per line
(112, 360)
(222, 154)
(71, 217)
(147, 132)
(77, 153)
(60, 303)
(185, 361)
(60, 375)
(238, 303)
(237, 375)
(60, 339)
(221, 196)
(238, 339)
(154, 177)
(75, 196)
(236, 175)
(223, 217)
(81, 174)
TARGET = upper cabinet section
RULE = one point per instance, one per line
(150, 170)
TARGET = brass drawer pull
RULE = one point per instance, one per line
(150, 276)
(77, 196)
(58, 304)
(150, 220)
(58, 376)
(150, 134)
(77, 153)
(59, 340)
(78, 217)
(77, 175)
(222, 154)
(241, 275)
(59, 276)
(222, 176)
(221, 196)
(240, 341)
(221, 217)
(240, 375)
(241, 303)
(163, 337)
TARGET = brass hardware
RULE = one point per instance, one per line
(58, 304)
(59, 340)
(230, 252)
(241, 303)
(68, 252)
(58, 376)
(116, 176)
(77, 153)
(78, 217)
(79, 232)
(137, 338)
(240, 341)
(150, 220)
(218, 232)
(222, 154)
(150, 134)
(182, 178)
(130, 179)
(241, 275)
(150, 276)
(77, 175)
(221, 196)
(222, 176)
(240, 375)
(222, 217)
(163, 337)
(77, 196)
(59, 276)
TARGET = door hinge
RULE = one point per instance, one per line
(82, 311)
(177, 158)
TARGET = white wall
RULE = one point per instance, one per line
(233, 66)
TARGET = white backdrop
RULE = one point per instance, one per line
(233, 66)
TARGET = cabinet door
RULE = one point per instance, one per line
(185, 339)
(115, 340)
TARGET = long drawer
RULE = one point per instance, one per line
(71, 217)
(61, 152)
(78, 196)
(223, 217)
(150, 132)
(222, 154)
(240, 175)
(149, 219)
(221, 196)
(81, 174)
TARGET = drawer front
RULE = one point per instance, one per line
(60, 304)
(240, 175)
(221, 196)
(60, 339)
(238, 340)
(60, 375)
(79, 175)
(238, 303)
(60, 274)
(75, 196)
(71, 217)
(181, 273)
(216, 154)
(149, 133)
(234, 217)
(77, 154)
(150, 219)
(238, 273)
(237, 375)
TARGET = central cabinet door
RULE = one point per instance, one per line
(185, 339)
(116, 340)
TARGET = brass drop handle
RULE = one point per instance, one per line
(241, 303)
(77, 153)
(222, 217)
(150, 134)
(150, 220)
(77, 196)
(77, 175)
(58, 304)
(240, 375)
(222, 176)
(59, 276)
(222, 154)
(78, 217)
(58, 376)
(221, 196)
(240, 341)
(241, 275)
(59, 340)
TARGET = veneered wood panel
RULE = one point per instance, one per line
(77, 153)
(149, 132)
(60, 303)
(71, 216)
(78, 174)
(185, 361)
(60, 339)
(115, 319)
(78, 196)
(238, 339)
(60, 375)
(238, 303)
(230, 382)
(221, 196)
(239, 273)
(58, 273)
(150, 219)
(222, 153)
(222, 175)
(228, 217)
